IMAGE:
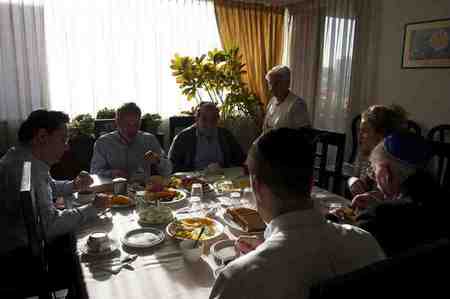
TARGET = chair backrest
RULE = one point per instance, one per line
(439, 133)
(104, 126)
(178, 123)
(4, 137)
(416, 272)
(441, 163)
(328, 171)
(355, 131)
(35, 232)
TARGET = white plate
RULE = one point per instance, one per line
(218, 228)
(143, 237)
(236, 228)
(113, 247)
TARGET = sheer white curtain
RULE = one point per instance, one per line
(23, 69)
(102, 53)
(338, 21)
(301, 49)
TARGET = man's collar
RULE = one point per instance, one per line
(300, 219)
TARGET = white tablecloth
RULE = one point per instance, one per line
(160, 272)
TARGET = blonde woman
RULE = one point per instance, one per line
(377, 122)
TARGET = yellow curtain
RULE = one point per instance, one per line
(258, 32)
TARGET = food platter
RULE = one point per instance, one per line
(189, 228)
(153, 197)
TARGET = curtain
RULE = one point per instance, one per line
(338, 21)
(23, 71)
(365, 57)
(103, 53)
(301, 49)
(258, 32)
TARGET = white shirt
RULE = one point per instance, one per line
(291, 113)
(302, 249)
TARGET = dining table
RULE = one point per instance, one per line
(159, 271)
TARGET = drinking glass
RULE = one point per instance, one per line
(197, 190)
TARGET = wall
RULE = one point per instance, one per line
(424, 93)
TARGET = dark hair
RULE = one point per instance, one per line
(205, 104)
(128, 108)
(386, 119)
(283, 160)
(41, 119)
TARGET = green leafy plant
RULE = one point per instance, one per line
(106, 113)
(217, 77)
(82, 124)
(151, 122)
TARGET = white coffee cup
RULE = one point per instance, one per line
(189, 253)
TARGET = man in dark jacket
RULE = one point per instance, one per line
(414, 208)
(204, 145)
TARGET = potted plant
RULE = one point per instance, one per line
(82, 124)
(217, 77)
(106, 113)
(151, 123)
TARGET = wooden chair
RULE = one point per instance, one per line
(328, 174)
(439, 133)
(177, 124)
(439, 136)
(415, 273)
(34, 256)
(103, 126)
(355, 131)
(441, 163)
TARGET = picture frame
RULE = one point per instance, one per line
(426, 44)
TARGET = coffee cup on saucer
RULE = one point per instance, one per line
(98, 242)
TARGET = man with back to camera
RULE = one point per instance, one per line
(301, 248)
(285, 109)
(129, 152)
(204, 145)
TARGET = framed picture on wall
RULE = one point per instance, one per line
(427, 44)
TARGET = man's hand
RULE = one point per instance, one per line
(119, 173)
(152, 157)
(361, 201)
(82, 181)
(245, 244)
(102, 201)
(357, 186)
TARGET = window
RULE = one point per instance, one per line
(103, 53)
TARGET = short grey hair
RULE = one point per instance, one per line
(401, 169)
(281, 71)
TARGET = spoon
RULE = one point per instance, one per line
(198, 238)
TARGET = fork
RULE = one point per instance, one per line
(125, 262)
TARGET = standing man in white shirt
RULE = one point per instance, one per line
(301, 248)
(285, 109)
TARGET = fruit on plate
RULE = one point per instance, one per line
(190, 228)
(166, 194)
(186, 183)
(120, 200)
(345, 213)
